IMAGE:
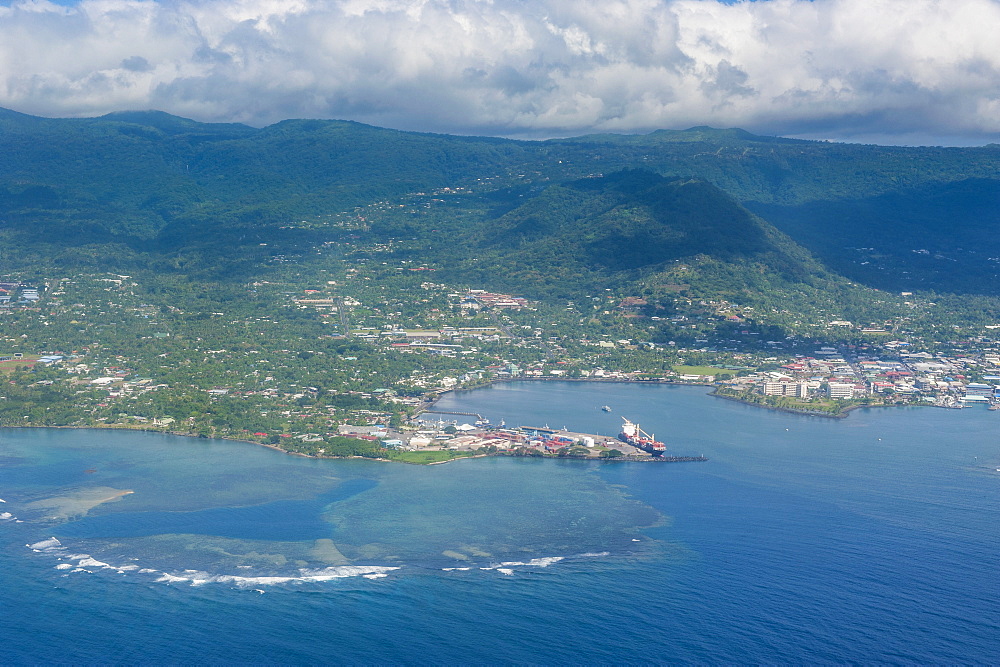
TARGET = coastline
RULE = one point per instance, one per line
(194, 436)
(362, 458)
(712, 390)
(428, 406)
(843, 414)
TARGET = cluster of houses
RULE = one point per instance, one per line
(475, 299)
(916, 376)
(17, 293)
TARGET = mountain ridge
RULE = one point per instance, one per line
(158, 183)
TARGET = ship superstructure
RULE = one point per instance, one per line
(635, 436)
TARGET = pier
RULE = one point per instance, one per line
(544, 440)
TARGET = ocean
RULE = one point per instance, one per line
(874, 539)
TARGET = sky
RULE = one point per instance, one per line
(911, 72)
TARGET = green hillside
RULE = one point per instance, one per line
(152, 190)
(942, 235)
(618, 229)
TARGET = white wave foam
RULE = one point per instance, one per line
(505, 570)
(247, 582)
(198, 578)
(595, 555)
(342, 571)
(7, 516)
(505, 567)
(50, 544)
(84, 562)
(2, 500)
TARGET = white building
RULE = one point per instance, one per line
(796, 389)
(839, 390)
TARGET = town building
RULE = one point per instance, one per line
(839, 390)
(794, 389)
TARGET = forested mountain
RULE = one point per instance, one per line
(626, 227)
(150, 189)
(940, 235)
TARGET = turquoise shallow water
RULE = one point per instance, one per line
(870, 539)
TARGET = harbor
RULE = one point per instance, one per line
(631, 444)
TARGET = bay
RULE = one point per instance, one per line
(802, 539)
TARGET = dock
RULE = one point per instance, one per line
(598, 439)
(542, 440)
(608, 441)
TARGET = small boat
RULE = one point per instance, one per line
(606, 408)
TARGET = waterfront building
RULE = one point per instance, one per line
(839, 390)
(795, 389)
(979, 389)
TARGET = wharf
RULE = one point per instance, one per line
(609, 441)
(604, 440)
(545, 430)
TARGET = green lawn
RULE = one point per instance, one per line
(426, 457)
(700, 370)
(24, 363)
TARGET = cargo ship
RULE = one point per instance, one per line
(635, 436)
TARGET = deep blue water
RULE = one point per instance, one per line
(802, 540)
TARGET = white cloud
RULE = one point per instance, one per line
(831, 68)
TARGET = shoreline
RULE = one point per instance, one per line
(713, 390)
(843, 414)
(623, 459)
(428, 406)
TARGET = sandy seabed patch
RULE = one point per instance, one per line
(79, 502)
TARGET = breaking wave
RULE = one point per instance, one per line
(199, 578)
(50, 544)
(509, 567)
(70, 563)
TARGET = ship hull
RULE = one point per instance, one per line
(635, 436)
(654, 447)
